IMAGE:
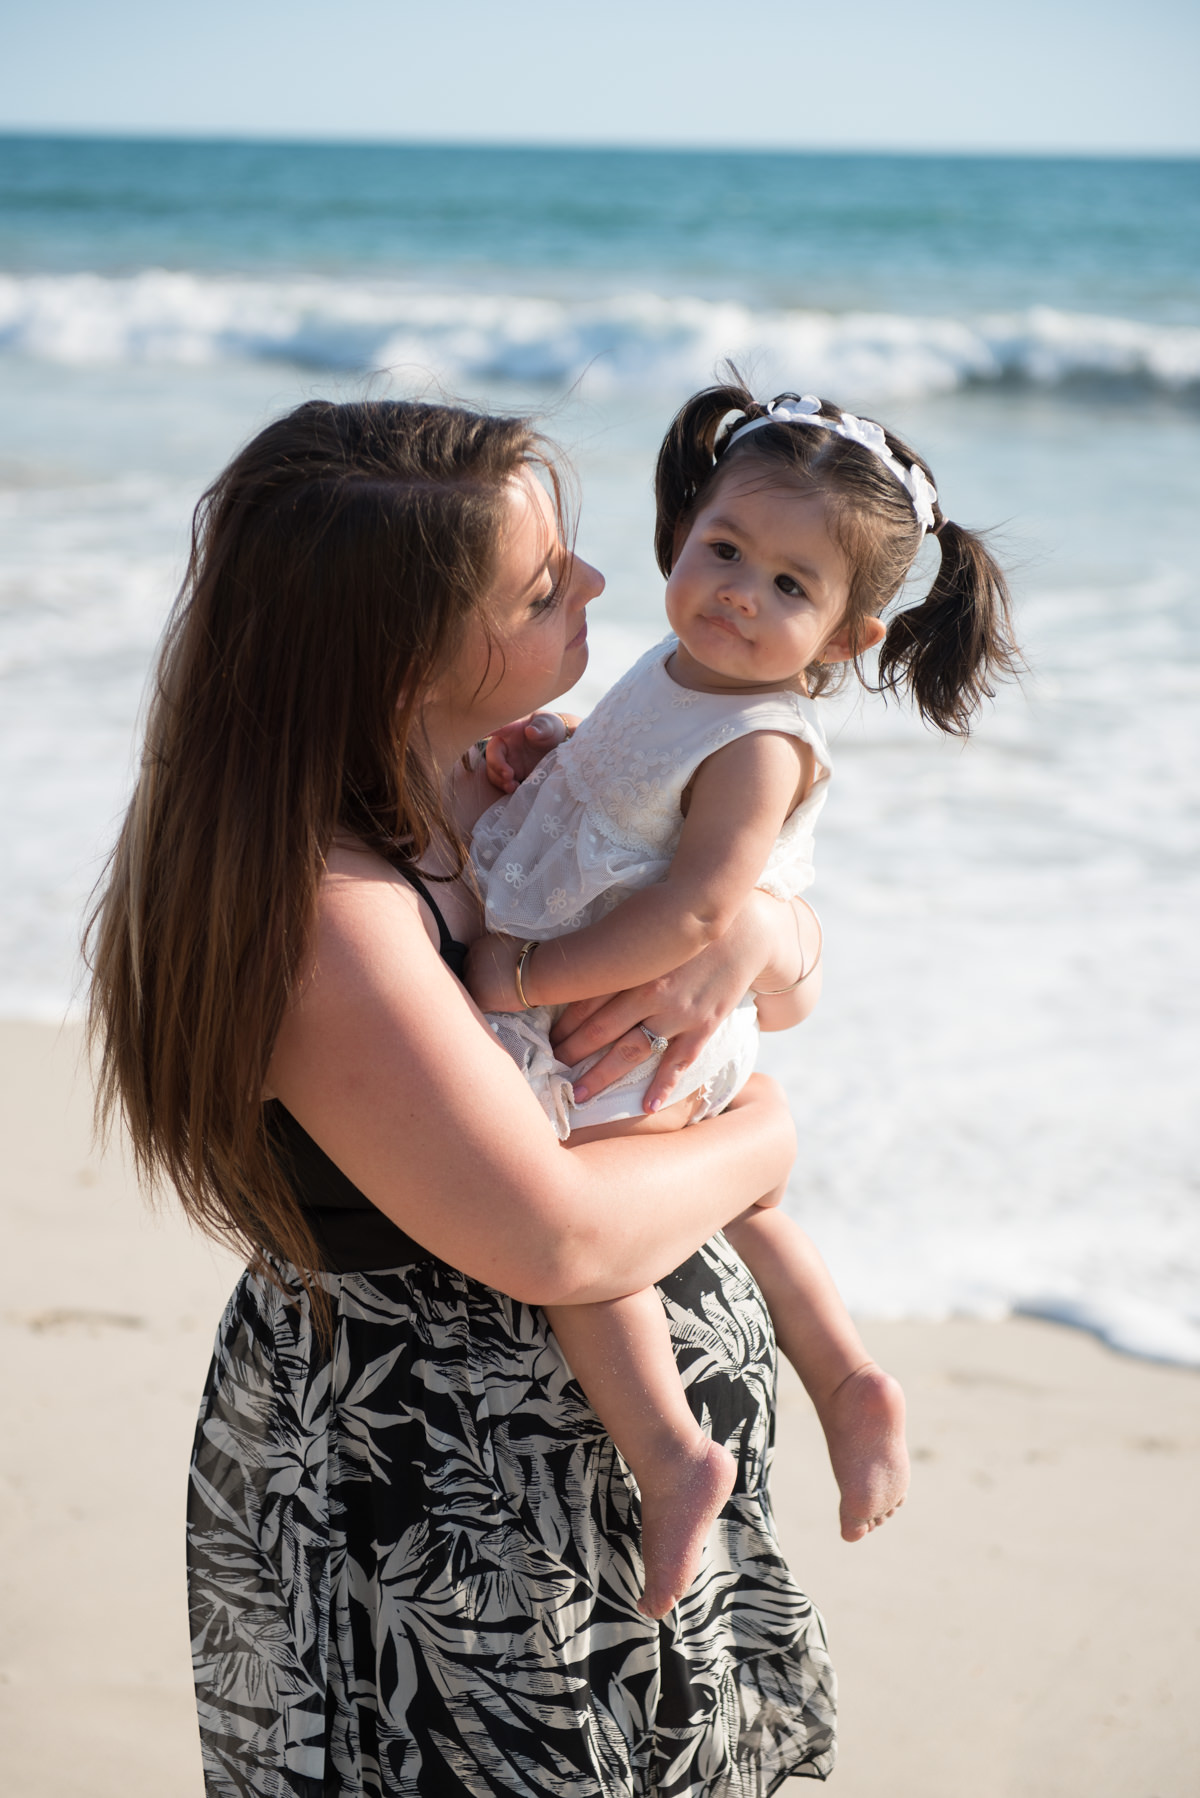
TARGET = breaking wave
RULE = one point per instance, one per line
(622, 340)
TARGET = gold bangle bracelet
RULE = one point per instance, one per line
(777, 992)
(527, 950)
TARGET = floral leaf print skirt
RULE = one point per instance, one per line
(414, 1567)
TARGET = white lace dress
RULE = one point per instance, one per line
(599, 819)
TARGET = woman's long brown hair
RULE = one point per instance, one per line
(335, 565)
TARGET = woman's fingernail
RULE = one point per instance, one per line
(580, 1094)
(654, 1105)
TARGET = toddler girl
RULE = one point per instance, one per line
(783, 531)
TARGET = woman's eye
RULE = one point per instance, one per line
(546, 603)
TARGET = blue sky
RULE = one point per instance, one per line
(940, 74)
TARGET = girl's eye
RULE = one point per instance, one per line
(727, 552)
(787, 585)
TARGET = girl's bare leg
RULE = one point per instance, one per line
(621, 1354)
(861, 1408)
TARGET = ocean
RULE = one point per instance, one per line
(997, 1097)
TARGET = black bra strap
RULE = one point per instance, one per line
(445, 941)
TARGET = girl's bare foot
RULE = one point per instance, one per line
(863, 1420)
(682, 1495)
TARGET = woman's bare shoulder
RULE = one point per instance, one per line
(367, 925)
(351, 869)
(359, 892)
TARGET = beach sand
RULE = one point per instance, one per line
(1029, 1624)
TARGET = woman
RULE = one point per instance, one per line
(412, 1548)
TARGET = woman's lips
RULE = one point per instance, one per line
(580, 637)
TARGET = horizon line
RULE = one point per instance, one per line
(304, 140)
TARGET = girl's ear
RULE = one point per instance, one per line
(850, 640)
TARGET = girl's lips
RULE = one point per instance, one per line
(722, 624)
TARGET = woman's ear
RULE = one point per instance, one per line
(850, 640)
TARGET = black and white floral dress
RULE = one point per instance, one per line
(414, 1552)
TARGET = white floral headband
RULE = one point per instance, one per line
(806, 411)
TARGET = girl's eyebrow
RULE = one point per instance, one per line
(731, 530)
(813, 576)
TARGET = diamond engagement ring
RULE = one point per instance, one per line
(658, 1044)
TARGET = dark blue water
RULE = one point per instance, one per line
(911, 233)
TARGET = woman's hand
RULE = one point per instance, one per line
(685, 1006)
(512, 754)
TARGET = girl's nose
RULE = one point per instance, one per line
(739, 593)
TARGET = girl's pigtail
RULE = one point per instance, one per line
(685, 461)
(947, 651)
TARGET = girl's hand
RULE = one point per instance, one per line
(490, 973)
(513, 753)
(685, 1006)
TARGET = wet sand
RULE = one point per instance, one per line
(1029, 1624)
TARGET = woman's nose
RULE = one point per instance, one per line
(588, 582)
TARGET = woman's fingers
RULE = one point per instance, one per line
(600, 1028)
(628, 1052)
(634, 1048)
(678, 1057)
(614, 1026)
(570, 1020)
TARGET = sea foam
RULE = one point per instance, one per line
(623, 340)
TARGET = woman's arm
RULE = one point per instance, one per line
(740, 797)
(386, 1064)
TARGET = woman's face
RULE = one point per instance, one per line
(538, 629)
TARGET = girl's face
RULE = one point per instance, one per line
(759, 589)
(538, 629)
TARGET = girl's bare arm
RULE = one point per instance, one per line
(387, 1065)
(740, 798)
